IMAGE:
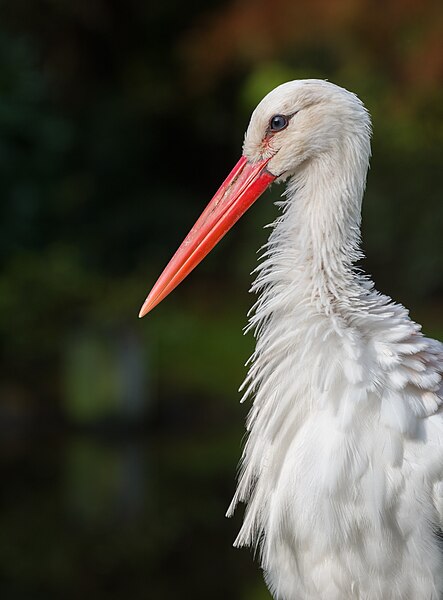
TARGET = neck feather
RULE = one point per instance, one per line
(316, 240)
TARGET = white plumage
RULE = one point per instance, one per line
(343, 467)
(342, 471)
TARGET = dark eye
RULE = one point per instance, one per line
(278, 122)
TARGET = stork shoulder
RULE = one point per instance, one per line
(416, 373)
(407, 366)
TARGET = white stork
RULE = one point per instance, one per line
(342, 471)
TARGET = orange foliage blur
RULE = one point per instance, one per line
(400, 39)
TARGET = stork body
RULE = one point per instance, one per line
(343, 467)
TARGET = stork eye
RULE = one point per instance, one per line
(278, 122)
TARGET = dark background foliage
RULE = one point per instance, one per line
(118, 120)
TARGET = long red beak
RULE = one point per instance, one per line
(244, 184)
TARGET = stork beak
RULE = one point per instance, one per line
(244, 184)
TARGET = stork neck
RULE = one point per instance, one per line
(319, 230)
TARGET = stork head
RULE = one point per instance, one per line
(298, 122)
(301, 121)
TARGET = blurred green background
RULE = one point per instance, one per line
(119, 438)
